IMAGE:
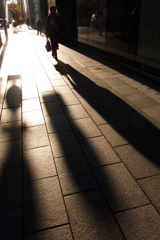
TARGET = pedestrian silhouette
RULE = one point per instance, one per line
(39, 27)
(53, 30)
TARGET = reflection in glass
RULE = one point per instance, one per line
(148, 51)
(109, 25)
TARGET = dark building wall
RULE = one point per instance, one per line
(43, 10)
(67, 10)
(72, 18)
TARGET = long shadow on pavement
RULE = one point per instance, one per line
(11, 190)
(86, 161)
(125, 120)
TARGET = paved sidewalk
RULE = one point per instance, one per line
(79, 146)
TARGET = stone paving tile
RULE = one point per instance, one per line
(10, 154)
(85, 128)
(98, 84)
(58, 233)
(31, 105)
(91, 103)
(62, 90)
(57, 123)
(102, 75)
(56, 78)
(13, 88)
(35, 137)
(155, 96)
(132, 119)
(58, 82)
(125, 90)
(147, 87)
(11, 224)
(38, 163)
(33, 118)
(153, 112)
(10, 131)
(1, 97)
(64, 143)
(82, 92)
(41, 212)
(10, 188)
(140, 223)
(11, 114)
(90, 217)
(75, 112)
(99, 152)
(54, 75)
(12, 101)
(149, 138)
(15, 77)
(48, 96)
(114, 81)
(44, 86)
(3, 86)
(74, 81)
(151, 187)
(137, 160)
(51, 108)
(29, 94)
(111, 101)
(68, 99)
(101, 116)
(121, 190)
(42, 82)
(75, 174)
(141, 100)
(116, 134)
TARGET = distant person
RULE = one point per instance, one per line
(53, 29)
(28, 23)
(39, 27)
(93, 19)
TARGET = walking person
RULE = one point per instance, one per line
(53, 30)
(39, 27)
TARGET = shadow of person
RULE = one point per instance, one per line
(94, 180)
(11, 168)
(124, 119)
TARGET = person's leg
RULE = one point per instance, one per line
(54, 48)
(54, 54)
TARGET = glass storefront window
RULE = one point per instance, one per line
(109, 25)
(149, 34)
(125, 28)
(91, 22)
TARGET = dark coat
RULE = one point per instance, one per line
(53, 27)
